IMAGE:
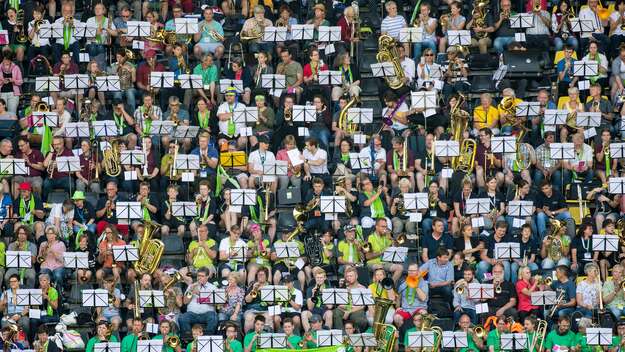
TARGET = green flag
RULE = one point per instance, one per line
(46, 140)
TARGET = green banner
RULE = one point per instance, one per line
(337, 348)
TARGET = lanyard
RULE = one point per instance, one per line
(348, 74)
(119, 122)
(203, 120)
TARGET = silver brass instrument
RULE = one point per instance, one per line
(558, 301)
(52, 165)
(539, 336)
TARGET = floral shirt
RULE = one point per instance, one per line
(234, 297)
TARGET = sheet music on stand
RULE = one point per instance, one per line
(555, 116)
(605, 243)
(513, 342)
(329, 33)
(95, 297)
(521, 208)
(184, 209)
(226, 83)
(333, 78)
(581, 26)
(162, 79)
(271, 340)
(125, 253)
(527, 109)
(543, 298)
(302, 31)
(617, 150)
(455, 339)
(214, 296)
(411, 35)
(19, 259)
(190, 81)
(162, 128)
(274, 34)
(478, 206)
(75, 260)
(108, 83)
(616, 185)
(13, 167)
(585, 68)
(366, 339)
(329, 337)
(50, 31)
(304, 113)
(211, 343)
(274, 293)
(478, 291)
(182, 131)
(187, 162)
(139, 29)
(106, 128)
(28, 297)
(588, 119)
(128, 210)
(287, 250)
(332, 204)
(361, 297)
(68, 163)
(419, 339)
(503, 145)
(76, 81)
(460, 37)
(446, 148)
(522, 20)
(48, 84)
(334, 296)
(416, 201)
(599, 336)
(107, 346)
(151, 299)
(560, 151)
(383, 69)
(186, 25)
(150, 345)
(359, 162)
(132, 157)
(245, 115)
(243, 196)
(424, 100)
(76, 130)
(508, 250)
(394, 254)
(273, 81)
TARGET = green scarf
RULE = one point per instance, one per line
(146, 213)
(377, 207)
(345, 158)
(608, 166)
(261, 209)
(67, 35)
(231, 125)
(120, 122)
(98, 37)
(396, 162)
(31, 209)
(147, 123)
(221, 173)
(46, 140)
(204, 120)
(15, 4)
(205, 214)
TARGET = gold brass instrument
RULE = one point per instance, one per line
(340, 181)
(52, 165)
(255, 33)
(478, 331)
(480, 9)
(555, 248)
(174, 280)
(173, 341)
(42, 107)
(111, 299)
(544, 280)
(508, 106)
(254, 292)
(460, 288)
(536, 6)
(44, 254)
(432, 200)
(150, 250)
(19, 21)
(216, 36)
(387, 52)
(344, 122)
(522, 160)
(384, 333)
(300, 213)
(163, 36)
(444, 20)
(498, 288)
(539, 336)
(459, 122)
(426, 325)
(401, 205)
(137, 308)
(111, 159)
(281, 22)
(288, 115)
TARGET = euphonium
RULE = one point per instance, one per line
(401, 205)
(218, 37)
(348, 206)
(387, 52)
(150, 250)
(555, 249)
(384, 333)
(480, 8)
(173, 341)
(111, 159)
(344, 123)
(508, 106)
(466, 161)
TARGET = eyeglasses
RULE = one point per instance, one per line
(429, 55)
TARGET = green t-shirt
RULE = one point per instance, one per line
(247, 339)
(53, 295)
(166, 348)
(616, 342)
(471, 346)
(554, 339)
(92, 341)
(256, 253)
(129, 343)
(378, 244)
(236, 346)
(201, 258)
(494, 339)
(294, 341)
(412, 329)
(312, 343)
(209, 74)
(349, 252)
(580, 340)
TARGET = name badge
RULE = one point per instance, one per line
(433, 213)
(587, 255)
(203, 173)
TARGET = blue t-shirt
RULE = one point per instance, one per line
(568, 288)
(212, 153)
(6, 202)
(560, 67)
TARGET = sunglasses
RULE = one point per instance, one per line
(429, 55)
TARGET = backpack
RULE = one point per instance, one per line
(40, 66)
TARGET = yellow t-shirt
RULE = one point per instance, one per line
(327, 247)
(349, 252)
(256, 253)
(377, 291)
(201, 258)
(485, 118)
(378, 244)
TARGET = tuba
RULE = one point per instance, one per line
(111, 159)
(387, 52)
(150, 250)
(384, 333)
(555, 249)
(480, 9)
(426, 325)
(459, 122)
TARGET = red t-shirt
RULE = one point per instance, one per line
(525, 301)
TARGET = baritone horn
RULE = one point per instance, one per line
(150, 249)
(173, 341)
(388, 52)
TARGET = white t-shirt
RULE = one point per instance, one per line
(616, 17)
(586, 155)
(223, 125)
(72, 39)
(587, 14)
(64, 119)
(319, 155)
(258, 159)
(239, 246)
(299, 300)
(378, 155)
(396, 124)
(92, 22)
(409, 68)
(200, 308)
(42, 41)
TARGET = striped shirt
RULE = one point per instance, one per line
(392, 25)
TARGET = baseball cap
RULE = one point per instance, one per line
(149, 54)
(25, 186)
(231, 91)
(349, 227)
(315, 318)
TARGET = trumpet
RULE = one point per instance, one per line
(254, 292)
(544, 280)
(498, 288)
(52, 165)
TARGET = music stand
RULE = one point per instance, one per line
(76, 260)
(605, 243)
(617, 150)
(273, 81)
(107, 346)
(579, 25)
(411, 35)
(555, 116)
(274, 34)
(245, 115)
(461, 37)
(125, 253)
(139, 29)
(599, 336)
(329, 337)
(419, 339)
(214, 343)
(616, 185)
(68, 164)
(108, 83)
(585, 68)
(162, 79)
(271, 171)
(190, 81)
(361, 297)
(149, 345)
(446, 148)
(335, 296)
(520, 208)
(126, 211)
(455, 339)
(480, 292)
(329, 34)
(48, 84)
(332, 78)
(522, 20)
(215, 296)
(507, 250)
(560, 151)
(29, 297)
(95, 298)
(77, 81)
(243, 196)
(76, 130)
(106, 128)
(383, 69)
(527, 109)
(287, 251)
(359, 162)
(187, 162)
(395, 254)
(132, 157)
(302, 31)
(513, 342)
(151, 299)
(162, 128)
(19, 259)
(182, 131)
(186, 25)
(478, 206)
(11, 167)
(360, 115)
(304, 113)
(271, 340)
(332, 204)
(503, 145)
(588, 119)
(366, 339)
(226, 83)
(184, 209)
(274, 293)
(543, 298)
